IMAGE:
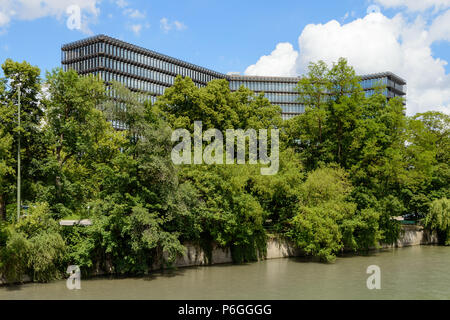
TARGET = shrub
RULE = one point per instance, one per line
(14, 256)
(45, 254)
(326, 221)
(38, 219)
(438, 219)
(33, 246)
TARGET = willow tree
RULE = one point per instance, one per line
(438, 219)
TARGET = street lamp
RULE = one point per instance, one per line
(18, 160)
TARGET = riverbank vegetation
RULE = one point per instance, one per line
(348, 166)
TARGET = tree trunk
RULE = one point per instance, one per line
(320, 132)
(58, 186)
(2, 207)
(340, 144)
(59, 160)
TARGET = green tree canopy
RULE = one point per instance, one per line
(216, 106)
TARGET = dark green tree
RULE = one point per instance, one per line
(26, 78)
(75, 132)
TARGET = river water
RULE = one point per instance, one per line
(421, 272)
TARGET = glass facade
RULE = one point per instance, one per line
(151, 73)
(394, 86)
(280, 91)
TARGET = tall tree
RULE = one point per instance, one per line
(346, 98)
(26, 78)
(141, 209)
(74, 130)
(333, 100)
(427, 154)
(313, 89)
(6, 154)
(216, 106)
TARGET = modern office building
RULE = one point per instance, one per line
(147, 71)
(279, 90)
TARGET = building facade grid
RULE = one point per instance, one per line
(149, 72)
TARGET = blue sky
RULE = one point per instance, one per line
(223, 35)
(233, 35)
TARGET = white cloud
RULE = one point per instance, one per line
(440, 29)
(35, 9)
(4, 19)
(281, 62)
(374, 44)
(345, 16)
(373, 9)
(134, 13)
(366, 43)
(166, 25)
(415, 5)
(136, 28)
(180, 25)
(121, 3)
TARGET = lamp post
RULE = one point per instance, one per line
(18, 161)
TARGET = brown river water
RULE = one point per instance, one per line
(421, 272)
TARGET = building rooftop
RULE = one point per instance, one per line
(233, 76)
(263, 78)
(382, 75)
(120, 43)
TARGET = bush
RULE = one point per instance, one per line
(363, 231)
(80, 247)
(14, 256)
(230, 214)
(316, 227)
(326, 221)
(316, 232)
(38, 219)
(45, 255)
(438, 219)
(33, 246)
(390, 207)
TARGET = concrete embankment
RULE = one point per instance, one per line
(414, 236)
(282, 248)
(195, 256)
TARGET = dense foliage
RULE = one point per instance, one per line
(439, 219)
(348, 166)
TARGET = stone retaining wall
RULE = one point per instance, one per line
(414, 236)
(283, 248)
